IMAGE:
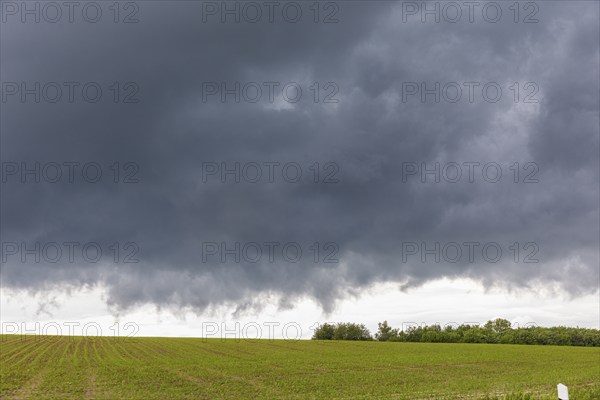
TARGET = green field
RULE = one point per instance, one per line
(179, 368)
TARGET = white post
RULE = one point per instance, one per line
(563, 392)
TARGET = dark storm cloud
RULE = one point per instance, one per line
(369, 218)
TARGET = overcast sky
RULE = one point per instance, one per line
(326, 161)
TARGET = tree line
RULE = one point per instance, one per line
(496, 331)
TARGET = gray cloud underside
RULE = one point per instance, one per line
(369, 134)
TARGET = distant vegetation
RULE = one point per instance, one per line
(498, 331)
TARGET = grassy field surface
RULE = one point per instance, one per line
(179, 368)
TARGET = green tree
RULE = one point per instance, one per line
(324, 332)
(351, 331)
(385, 333)
(498, 325)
